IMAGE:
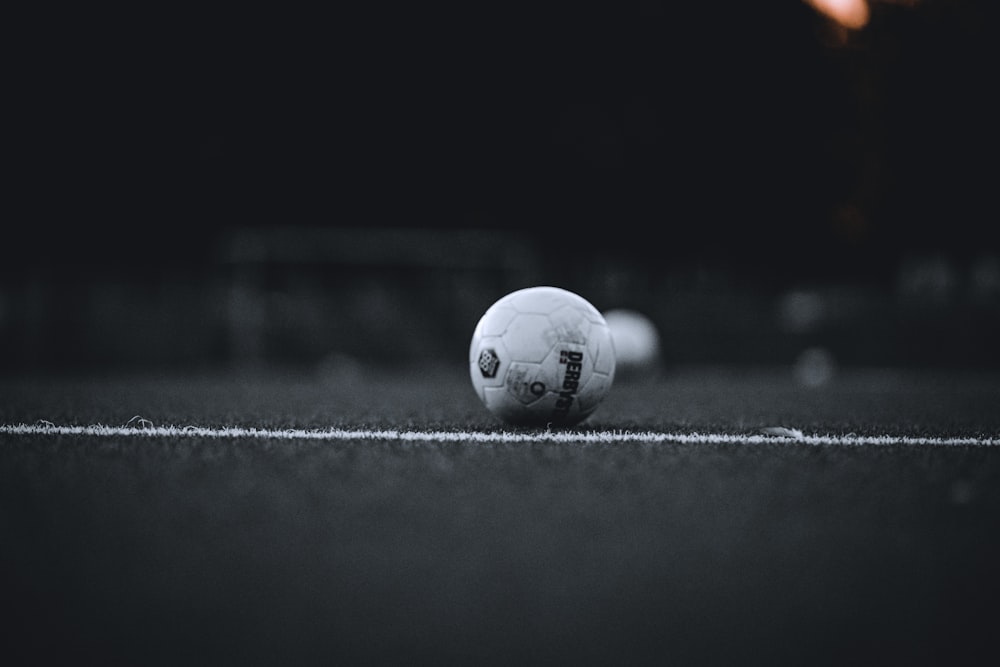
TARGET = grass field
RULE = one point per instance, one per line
(137, 548)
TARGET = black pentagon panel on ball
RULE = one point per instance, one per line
(489, 362)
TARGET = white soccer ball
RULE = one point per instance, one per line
(542, 356)
(637, 342)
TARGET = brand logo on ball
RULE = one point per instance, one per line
(571, 382)
(566, 356)
(488, 363)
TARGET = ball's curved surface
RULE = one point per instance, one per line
(542, 356)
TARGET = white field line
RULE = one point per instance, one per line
(481, 437)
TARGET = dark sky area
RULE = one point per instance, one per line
(696, 161)
(725, 129)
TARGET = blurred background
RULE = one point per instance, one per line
(789, 182)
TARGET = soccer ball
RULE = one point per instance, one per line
(637, 343)
(542, 356)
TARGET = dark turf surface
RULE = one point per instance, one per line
(149, 551)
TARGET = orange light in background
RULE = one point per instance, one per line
(851, 14)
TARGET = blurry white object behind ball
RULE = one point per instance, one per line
(542, 356)
(636, 340)
(815, 367)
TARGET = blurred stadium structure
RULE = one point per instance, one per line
(334, 299)
(757, 179)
